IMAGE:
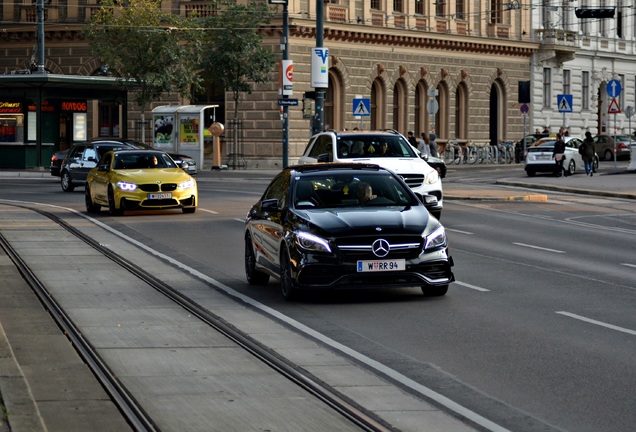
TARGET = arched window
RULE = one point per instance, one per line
(497, 112)
(441, 118)
(422, 120)
(334, 103)
(461, 111)
(378, 97)
(400, 107)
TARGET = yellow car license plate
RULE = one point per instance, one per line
(381, 265)
(158, 196)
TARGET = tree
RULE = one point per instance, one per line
(143, 45)
(235, 55)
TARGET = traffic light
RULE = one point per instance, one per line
(594, 13)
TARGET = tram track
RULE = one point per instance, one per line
(126, 402)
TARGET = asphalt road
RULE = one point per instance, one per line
(537, 334)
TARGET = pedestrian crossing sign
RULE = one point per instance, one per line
(564, 102)
(362, 107)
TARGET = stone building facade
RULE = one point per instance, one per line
(394, 53)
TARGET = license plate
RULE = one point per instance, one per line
(159, 196)
(381, 265)
(544, 157)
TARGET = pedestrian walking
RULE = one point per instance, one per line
(558, 154)
(432, 139)
(424, 146)
(587, 151)
(412, 139)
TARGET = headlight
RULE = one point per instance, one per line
(432, 177)
(125, 186)
(435, 239)
(311, 242)
(189, 184)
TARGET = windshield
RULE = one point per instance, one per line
(142, 160)
(331, 190)
(374, 145)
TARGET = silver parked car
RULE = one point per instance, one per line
(539, 158)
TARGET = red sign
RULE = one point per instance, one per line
(613, 107)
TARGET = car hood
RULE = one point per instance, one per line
(411, 220)
(398, 165)
(163, 175)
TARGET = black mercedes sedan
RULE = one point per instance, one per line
(345, 226)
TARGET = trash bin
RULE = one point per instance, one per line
(632, 162)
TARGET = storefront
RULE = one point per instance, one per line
(43, 113)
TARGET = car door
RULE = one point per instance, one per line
(100, 179)
(267, 222)
(86, 162)
(73, 161)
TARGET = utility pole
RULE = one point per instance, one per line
(286, 69)
(319, 123)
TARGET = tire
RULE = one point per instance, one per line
(435, 291)
(253, 276)
(571, 168)
(189, 209)
(530, 173)
(90, 206)
(608, 155)
(66, 182)
(112, 208)
(286, 281)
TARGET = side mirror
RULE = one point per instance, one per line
(325, 157)
(103, 168)
(270, 205)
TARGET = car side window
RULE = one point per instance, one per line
(279, 189)
(89, 154)
(323, 145)
(77, 152)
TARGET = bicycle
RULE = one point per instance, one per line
(504, 152)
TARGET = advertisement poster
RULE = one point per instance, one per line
(163, 128)
(189, 131)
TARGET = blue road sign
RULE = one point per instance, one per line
(614, 88)
(362, 107)
(564, 102)
(288, 102)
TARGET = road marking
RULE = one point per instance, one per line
(629, 265)
(458, 231)
(599, 323)
(209, 211)
(538, 247)
(476, 288)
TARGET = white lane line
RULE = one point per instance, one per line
(599, 323)
(538, 247)
(458, 231)
(628, 265)
(209, 211)
(476, 288)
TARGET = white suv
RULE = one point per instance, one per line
(388, 149)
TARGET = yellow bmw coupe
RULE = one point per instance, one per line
(139, 180)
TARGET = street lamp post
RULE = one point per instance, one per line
(285, 93)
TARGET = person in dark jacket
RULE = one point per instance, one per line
(587, 152)
(558, 154)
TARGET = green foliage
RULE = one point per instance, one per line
(234, 53)
(155, 50)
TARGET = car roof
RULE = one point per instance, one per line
(335, 166)
(358, 132)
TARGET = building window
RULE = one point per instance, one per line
(585, 89)
(440, 8)
(547, 87)
(377, 104)
(619, 20)
(376, 5)
(398, 6)
(603, 22)
(460, 10)
(566, 82)
(545, 14)
(419, 7)
(108, 119)
(496, 14)
(584, 24)
(400, 107)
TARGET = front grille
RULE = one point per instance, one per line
(153, 187)
(413, 180)
(360, 248)
(160, 203)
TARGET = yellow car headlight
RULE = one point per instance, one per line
(188, 184)
(126, 186)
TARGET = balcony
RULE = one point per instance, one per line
(560, 45)
(198, 8)
(337, 13)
